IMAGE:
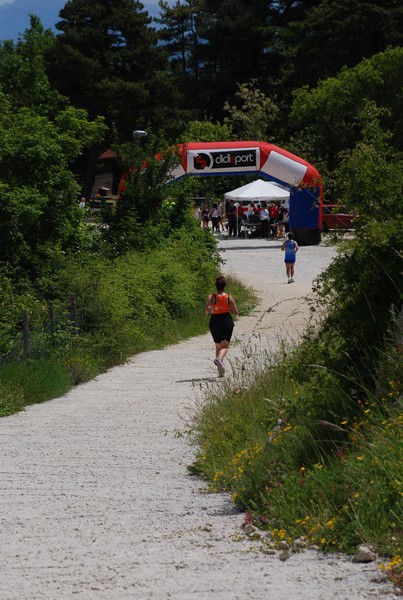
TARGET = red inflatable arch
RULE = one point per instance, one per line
(270, 162)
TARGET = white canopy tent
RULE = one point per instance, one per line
(259, 191)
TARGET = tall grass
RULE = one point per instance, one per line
(31, 382)
(307, 458)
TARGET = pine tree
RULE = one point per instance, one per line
(341, 33)
(106, 60)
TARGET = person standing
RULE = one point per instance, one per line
(282, 211)
(250, 211)
(219, 307)
(205, 217)
(273, 214)
(264, 221)
(220, 210)
(197, 214)
(215, 218)
(290, 247)
(232, 218)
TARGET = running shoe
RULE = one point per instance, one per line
(220, 367)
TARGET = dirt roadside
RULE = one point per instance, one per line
(96, 500)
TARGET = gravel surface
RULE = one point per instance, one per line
(96, 500)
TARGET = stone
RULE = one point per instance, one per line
(364, 555)
(269, 551)
(250, 529)
(283, 545)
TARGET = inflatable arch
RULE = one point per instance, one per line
(269, 162)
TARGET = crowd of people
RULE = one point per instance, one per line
(269, 220)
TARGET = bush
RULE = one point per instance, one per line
(135, 302)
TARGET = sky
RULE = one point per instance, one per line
(14, 14)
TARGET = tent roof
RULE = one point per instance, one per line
(258, 190)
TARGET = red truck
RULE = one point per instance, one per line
(336, 217)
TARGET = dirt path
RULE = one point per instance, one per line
(96, 501)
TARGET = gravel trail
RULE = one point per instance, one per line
(96, 500)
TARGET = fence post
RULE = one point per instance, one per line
(52, 323)
(73, 301)
(25, 327)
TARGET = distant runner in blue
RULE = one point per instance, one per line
(291, 248)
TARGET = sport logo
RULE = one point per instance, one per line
(202, 161)
(225, 159)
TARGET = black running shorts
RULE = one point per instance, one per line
(221, 327)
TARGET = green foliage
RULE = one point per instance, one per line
(22, 71)
(362, 287)
(329, 112)
(39, 212)
(205, 131)
(305, 458)
(370, 176)
(19, 217)
(11, 398)
(32, 382)
(215, 47)
(145, 207)
(138, 286)
(254, 119)
(333, 34)
(107, 61)
(136, 302)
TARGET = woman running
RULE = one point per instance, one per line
(291, 248)
(219, 307)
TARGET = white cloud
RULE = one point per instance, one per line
(6, 2)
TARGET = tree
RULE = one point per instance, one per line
(254, 119)
(140, 219)
(205, 131)
(180, 38)
(362, 287)
(370, 176)
(233, 48)
(106, 60)
(23, 75)
(327, 114)
(341, 33)
(39, 212)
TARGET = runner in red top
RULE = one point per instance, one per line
(219, 307)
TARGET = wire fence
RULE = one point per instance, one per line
(41, 337)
